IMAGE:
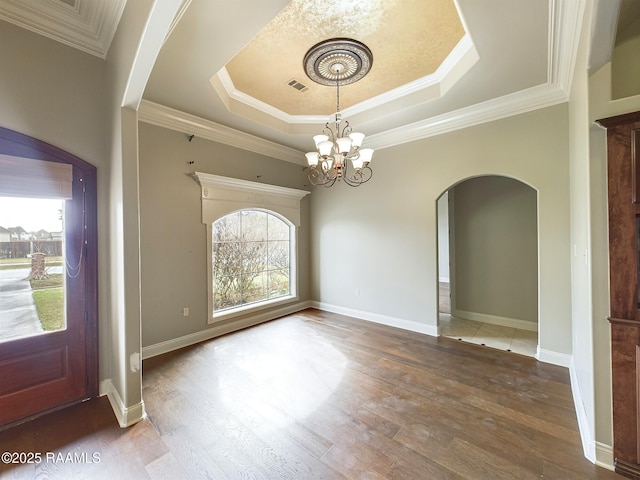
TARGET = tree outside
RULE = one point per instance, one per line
(250, 258)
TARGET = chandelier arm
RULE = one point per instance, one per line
(359, 177)
(352, 182)
(350, 179)
(329, 132)
(346, 130)
(327, 185)
(318, 178)
(369, 173)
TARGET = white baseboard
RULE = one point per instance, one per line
(588, 444)
(377, 318)
(554, 358)
(604, 456)
(216, 331)
(596, 452)
(496, 320)
(126, 416)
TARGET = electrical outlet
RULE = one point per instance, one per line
(357, 291)
(185, 312)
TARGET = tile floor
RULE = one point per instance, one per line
(510, 339)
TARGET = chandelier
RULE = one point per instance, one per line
(338, 156)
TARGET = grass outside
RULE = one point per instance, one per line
(48, 295)
(14, 263)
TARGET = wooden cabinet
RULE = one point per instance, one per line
(623, 171)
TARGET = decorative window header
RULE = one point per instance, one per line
(223, 195)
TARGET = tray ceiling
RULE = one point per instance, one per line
(409, 41)
(439, 65)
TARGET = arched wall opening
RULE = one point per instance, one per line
(488, 263)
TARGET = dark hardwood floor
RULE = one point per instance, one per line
(317, 395)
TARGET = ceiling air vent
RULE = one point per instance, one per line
(297, 85)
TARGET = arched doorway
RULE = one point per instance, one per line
(488, 263)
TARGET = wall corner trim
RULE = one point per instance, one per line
(126, 416)
(588, 444)
(596, 452)
(554, 358)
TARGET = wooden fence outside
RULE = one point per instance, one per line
(24, 248)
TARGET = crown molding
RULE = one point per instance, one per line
(565, 23)
(534, 98)
(172, 119)
(463, 56)
(565, 26)
(253, 109)
(181, 11)
(89, 25)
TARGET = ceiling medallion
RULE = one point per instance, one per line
(349, 59)
(334, 62)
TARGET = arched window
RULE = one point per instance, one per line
(251, 258)
(251, 243)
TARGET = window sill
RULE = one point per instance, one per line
(254, 307)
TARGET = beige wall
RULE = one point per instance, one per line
(625, 64)
(173, 237)
(381, 238)
(52, 92)
(496, 251)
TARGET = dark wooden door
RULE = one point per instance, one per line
(44, 371)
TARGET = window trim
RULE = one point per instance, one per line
(223, 195)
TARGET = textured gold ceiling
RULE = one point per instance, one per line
(409, 39)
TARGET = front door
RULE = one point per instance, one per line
(48, 299)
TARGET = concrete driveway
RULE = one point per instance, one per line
(18, 316)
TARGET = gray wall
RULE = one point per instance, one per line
(496, 248)
(382, 238)
(173, 237)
